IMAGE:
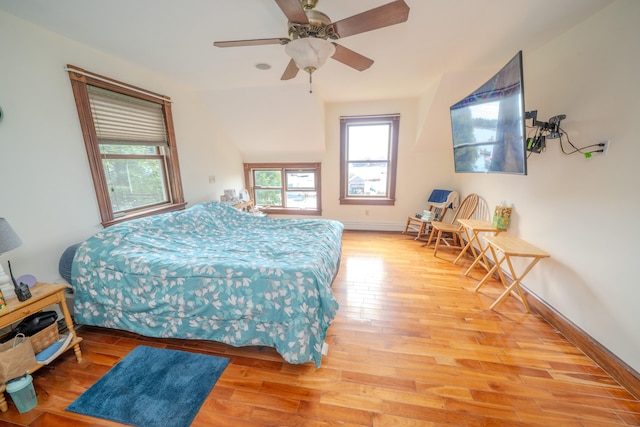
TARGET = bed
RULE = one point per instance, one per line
(211, 272)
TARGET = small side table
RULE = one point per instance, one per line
(511, 247)
(42, 295)
(476, 226)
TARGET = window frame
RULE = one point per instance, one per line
(249, 168)
(392, 159)
(80, 79)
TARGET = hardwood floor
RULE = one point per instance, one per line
(412, 345)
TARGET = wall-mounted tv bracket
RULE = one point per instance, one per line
(552, 130)
(552, 127)
(546, 130)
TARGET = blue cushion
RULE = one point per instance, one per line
(66, 262)
(439, 196)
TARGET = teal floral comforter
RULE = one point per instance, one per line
(212, 272)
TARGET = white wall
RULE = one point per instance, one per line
(582, 210)
(47, 193)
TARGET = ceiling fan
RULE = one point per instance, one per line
(311, 34)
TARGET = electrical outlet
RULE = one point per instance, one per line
(212, 179)
(604, 148)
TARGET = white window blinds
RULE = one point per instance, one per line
(124, 120)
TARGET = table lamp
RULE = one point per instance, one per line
(9, 240)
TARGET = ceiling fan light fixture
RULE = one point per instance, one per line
(310, 53)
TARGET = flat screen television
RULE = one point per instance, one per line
(488, 126)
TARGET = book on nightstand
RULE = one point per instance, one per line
(47, 355)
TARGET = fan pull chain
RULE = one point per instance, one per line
(310, 83)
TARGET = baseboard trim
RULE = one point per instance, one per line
(609, 362)
(372, 226)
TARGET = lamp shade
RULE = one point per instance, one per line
(8, 238)
(310, 53)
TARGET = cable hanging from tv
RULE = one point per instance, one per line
(552, 130)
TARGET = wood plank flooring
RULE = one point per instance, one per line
(412, 346)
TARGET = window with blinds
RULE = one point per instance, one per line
(124, 120)
(131, 134)
(129, 139)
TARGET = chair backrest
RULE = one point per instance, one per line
(441, 200)
(446, 198)
(466, 208)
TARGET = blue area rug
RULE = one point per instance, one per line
(152, 387)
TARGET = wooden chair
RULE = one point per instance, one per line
(439, 202)
(451, 233)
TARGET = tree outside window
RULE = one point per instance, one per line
(135, 176)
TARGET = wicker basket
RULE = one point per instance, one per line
(44, 338)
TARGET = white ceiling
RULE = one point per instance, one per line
(175, 38)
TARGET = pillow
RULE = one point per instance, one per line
(66, 262)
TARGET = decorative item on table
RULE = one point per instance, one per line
(27, 279)
(244, 195)
(9, 240)
(230, 197)
(502, 216)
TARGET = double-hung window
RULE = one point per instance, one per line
(368, 158)
(130, 143)
(285, 188)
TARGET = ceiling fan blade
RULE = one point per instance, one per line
(293, 10)
(379, 17)
(351, 58)
(254, 42)
(290, 72)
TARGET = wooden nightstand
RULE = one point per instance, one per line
(42, 296)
